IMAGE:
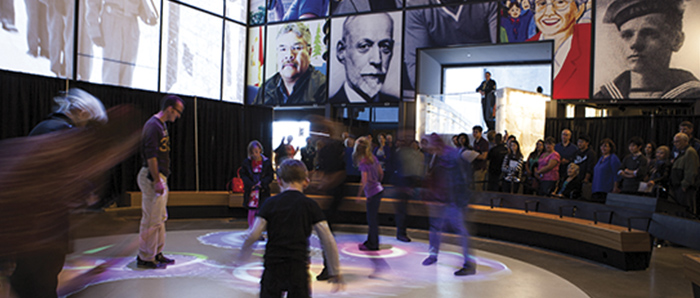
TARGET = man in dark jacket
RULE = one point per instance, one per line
(684, 173)
(296, 82)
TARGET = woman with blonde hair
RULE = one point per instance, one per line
(372, 174)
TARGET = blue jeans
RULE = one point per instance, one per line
(373, 219)
(442, 215)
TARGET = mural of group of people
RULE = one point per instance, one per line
(305, 52)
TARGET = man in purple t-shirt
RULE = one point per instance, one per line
(153, 182)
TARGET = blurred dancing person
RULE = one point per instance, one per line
(64, 153)
(370, 182)
(410, 169)
(447, 180)
(330, 171)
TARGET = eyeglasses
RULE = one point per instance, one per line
(295, 48)
(559, 5)
(179, 113)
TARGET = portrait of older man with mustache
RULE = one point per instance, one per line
(650, 32)
(365, 50)
(297, 82)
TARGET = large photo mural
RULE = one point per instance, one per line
(647, 50)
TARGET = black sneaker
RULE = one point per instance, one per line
(163, 260)
(466, 270)
(149, 265)
(429, 260)
(366, 247)
(403, 238)
(323, 275)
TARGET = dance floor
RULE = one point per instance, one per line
(106, 267)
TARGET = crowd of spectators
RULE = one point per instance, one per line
(571, 168)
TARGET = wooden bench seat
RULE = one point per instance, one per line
(602, 234)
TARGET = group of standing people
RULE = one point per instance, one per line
(563, 169)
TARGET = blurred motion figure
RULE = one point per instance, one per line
(47, 175)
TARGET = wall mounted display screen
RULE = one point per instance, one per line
(356, 6)
(234, 62)
(191, 52)
(295, 72)
(292, 10)
(365, 59)
(520, 22)
(236, 10)
(120, 51)
(37, 38)
(443, 26)
(255, 55)
(214, 6)
(651, 54)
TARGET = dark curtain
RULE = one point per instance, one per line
(224, 133)
(20, 109)
(224, 129)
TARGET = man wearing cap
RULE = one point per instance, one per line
(651, 30)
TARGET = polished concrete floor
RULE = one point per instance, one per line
(102, 265)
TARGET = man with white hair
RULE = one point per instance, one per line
(365, 51)
(684, 172)
(76, 108)
(37, 269)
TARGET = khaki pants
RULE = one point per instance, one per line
(480, 180)
(153, 217)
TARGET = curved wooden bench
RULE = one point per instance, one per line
(617, 246)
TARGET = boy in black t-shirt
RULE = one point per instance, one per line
(288, 219)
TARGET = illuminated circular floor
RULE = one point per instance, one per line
(106, 267)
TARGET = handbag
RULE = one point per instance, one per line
(236, 184)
